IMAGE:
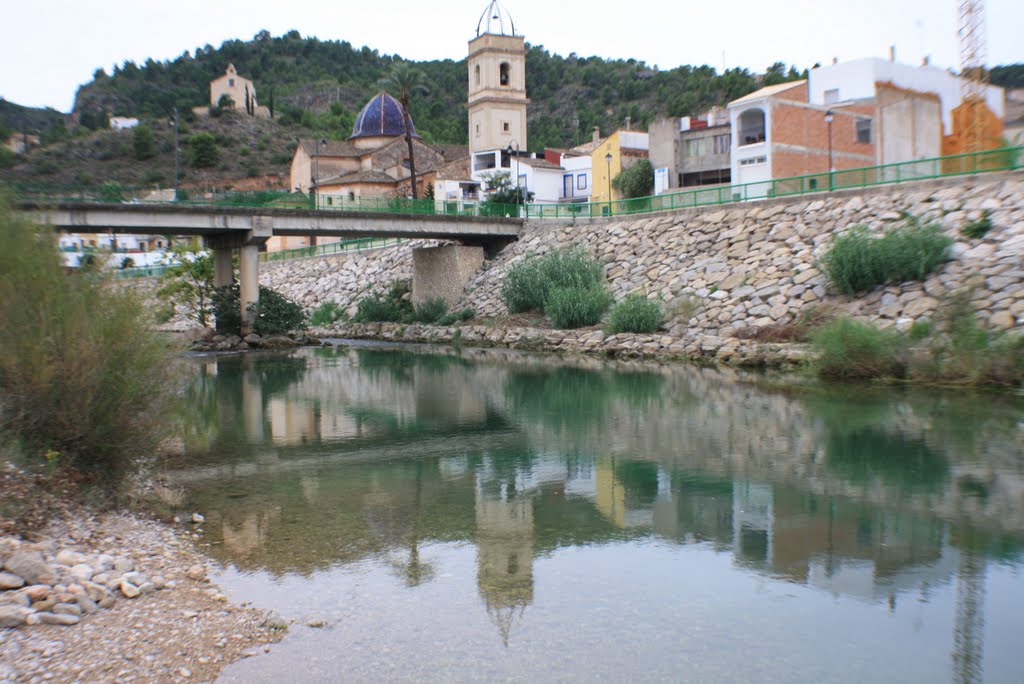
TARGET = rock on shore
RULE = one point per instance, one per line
(116, 598)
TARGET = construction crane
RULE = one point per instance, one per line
(974, 75)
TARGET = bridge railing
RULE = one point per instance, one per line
(1003, 159)
(329, 248)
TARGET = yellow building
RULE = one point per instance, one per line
(618, 151)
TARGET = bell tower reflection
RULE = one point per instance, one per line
(504, 542)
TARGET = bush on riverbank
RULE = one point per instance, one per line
(635, 314)
(852, 350)
(955, 350)
(567, 285)
(857, 261)
(83, 380)
(275, 314)
(394, 306)
(327, 313)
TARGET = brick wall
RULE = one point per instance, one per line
(799, 138)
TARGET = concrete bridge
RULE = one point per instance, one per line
(436, 271)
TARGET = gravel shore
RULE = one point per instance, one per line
(185, 632)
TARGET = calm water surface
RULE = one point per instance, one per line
(495, 516)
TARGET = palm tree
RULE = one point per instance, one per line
(404, 81)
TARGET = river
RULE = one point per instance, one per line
(485, 515)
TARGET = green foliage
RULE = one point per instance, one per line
(575, 306)
(428, 312)
(960, 351)
(978, 228)
(276, 314)
(1008, 76)
(857, 261)
(205, 152)
(143, 142)
(327, 313)
(528, 282)
(188, 282)
(454, 317)
(501, 193)
(849, 349)
(636, 180)
(111, 192)
(81, 374)
(636, 314)
(389, 307)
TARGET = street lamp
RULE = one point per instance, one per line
(828, 122)
(316, 182)
(514, 145)
(177, 152)
(608, 161)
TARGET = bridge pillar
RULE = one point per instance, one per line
(442, 272)
(222, 268)
(248, 284)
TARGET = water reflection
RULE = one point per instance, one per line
(329, 459)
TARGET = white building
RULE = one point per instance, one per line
(855, 80)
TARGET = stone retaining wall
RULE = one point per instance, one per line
(753, 264)
(723, 269)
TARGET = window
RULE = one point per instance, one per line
(505, 127)
(721, 143)
(581, 181)
(832, 96)
(476, 74)
(503, 73)
(752, 128)
(864, 131)
(478, 130)
(695, 147)
(752, 161)
(231, 83)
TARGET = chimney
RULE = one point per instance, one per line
(628, 120)
(926, 61)
(835, 60)
(892, 53)
(597, 134)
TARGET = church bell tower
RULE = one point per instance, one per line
(497, 83)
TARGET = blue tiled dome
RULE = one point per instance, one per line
(382, 116)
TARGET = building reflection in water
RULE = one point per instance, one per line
(847, 530)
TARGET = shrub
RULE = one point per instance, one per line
(390, 307)
(429, 311)
(857, 262)
(81, 373)
(454, 317)
(326, 314)
(850, 349)
(205, 152)
(143, 142)
(636, 314)
(978, 228)
(576, 306)
(276, 314)
(529, 281)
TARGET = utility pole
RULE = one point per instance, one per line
(177, 154)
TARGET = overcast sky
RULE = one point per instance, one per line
(50, 47)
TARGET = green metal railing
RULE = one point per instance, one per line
(1004, 159)
(329, 248)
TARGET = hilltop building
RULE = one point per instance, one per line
(239, 91)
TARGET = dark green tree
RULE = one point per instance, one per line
(143, 142)
(205, 152)
(636, 180)
(405, 81)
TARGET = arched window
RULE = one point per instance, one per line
(503, 74)
(476, 74)
(751, 127)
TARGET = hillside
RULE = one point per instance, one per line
(316, 88)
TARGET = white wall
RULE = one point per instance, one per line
(856, 80)
(577, 166)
